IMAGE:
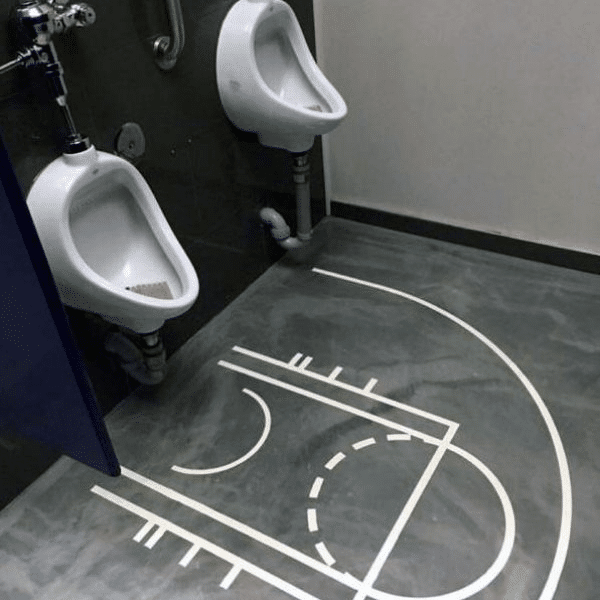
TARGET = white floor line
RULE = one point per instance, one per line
(190, 555)
(311, 516)
(231, 577)
(345, 386)
(335, 461)
(400, 523)
(221, 553)
(236, 525)
(364, 443)
(499, 563)
(398, 437)
(144, 531)
(561, 457)
(370, 385)
(315, 490)
(333, 375)
(259, 444)
(295, 359)
(325, 554)
(334, 403)
(305, 363)
(155, 537)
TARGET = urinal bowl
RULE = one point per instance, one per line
(268, 80)
(104, 236)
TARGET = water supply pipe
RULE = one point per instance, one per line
(280, 230)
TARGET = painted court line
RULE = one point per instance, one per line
(259, 444)
(219, 552)
(155, 537)
(499, 563)
(305, 363)
(394, 534)
(295, 359)
(325, 554)
(398, 437)
(345, 386)
(236, 526)
(190, 555)
(144, 531)
(364, 443)
(335, 461)
(323, 399)
(231, 576)
(315, 490)
(333, 375)
(561, 457)
(370, 385)
(311, 515)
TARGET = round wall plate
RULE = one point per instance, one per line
(130, 142)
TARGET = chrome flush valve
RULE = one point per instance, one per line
(68, 15)
(36, 22)
(39, 20)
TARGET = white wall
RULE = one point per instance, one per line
(478, 113)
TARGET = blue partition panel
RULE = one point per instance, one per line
(45, 392)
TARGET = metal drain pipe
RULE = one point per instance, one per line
(141, 355)
(279, 228)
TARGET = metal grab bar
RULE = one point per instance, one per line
(168, 48)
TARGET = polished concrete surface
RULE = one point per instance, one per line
(385, 417)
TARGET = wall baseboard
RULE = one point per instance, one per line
(571, 259)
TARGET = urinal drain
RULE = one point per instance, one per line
(160, 290)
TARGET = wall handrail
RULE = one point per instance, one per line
(168, 48)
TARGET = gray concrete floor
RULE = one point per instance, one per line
(388, 417)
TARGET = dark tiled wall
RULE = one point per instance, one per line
(210, 179)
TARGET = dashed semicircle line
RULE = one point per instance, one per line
(245, 457)
(315, 490)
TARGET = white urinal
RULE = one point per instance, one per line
(268, 80)
(108, 244)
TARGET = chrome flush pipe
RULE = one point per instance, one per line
(36, 22)
(280, 230)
